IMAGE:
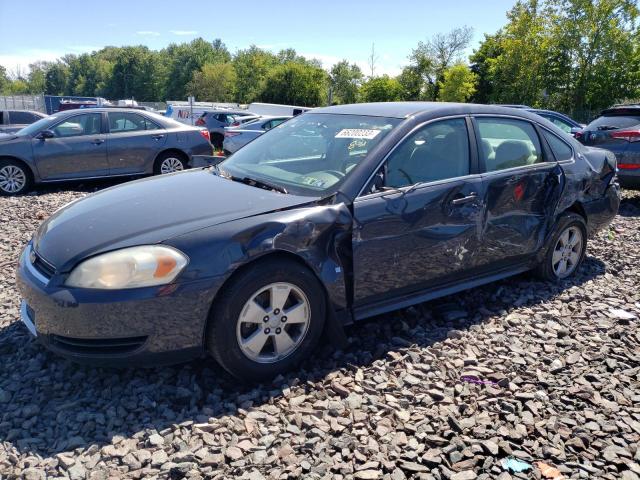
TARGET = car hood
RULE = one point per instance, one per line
(8, 137)
(150, 211)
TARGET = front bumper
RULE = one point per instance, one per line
(136, 327)
(601, 212)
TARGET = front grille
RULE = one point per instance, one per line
(101, 346)
(42, 266)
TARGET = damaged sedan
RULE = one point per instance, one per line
(337, 215)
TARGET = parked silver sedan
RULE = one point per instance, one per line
(236, 137)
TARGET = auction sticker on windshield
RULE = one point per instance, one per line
(357, 133)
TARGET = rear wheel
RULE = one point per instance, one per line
(170, 162)
(566, 249)
(15, 178)
(267, 320)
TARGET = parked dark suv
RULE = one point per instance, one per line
(618, 130)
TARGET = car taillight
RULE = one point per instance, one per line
(629, 166)
(628, 135)
(231, 134)
(200, 122)
(205, 134)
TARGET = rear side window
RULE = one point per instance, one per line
(614, 122)
(558, 122)
(560, 149)
(129, 122)
(507, 143)
(21, 117)
(437, 151)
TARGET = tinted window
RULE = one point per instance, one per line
(435, 152)
(21, 117)
(88, 124)
(615, 121)
(126, 122)
(507, 143)
(560, 149)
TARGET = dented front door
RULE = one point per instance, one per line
(415, 238)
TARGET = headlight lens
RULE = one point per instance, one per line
(134, 267)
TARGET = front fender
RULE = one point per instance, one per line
(319, 235)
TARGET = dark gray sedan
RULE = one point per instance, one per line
(97, 142)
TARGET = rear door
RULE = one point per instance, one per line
(521, 187)
(133, 142)
(77, 150)
(422, 229)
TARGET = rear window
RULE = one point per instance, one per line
(611, 122)
(21, 117)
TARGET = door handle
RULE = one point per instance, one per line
(462, 200)
(157, 137)
(98, 141)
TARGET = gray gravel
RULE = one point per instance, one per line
(471, 386)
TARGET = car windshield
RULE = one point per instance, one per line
(35, 127)
(310, 154)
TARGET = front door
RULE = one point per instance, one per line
(77, 150)
(521, 188)
(423, 227)
(133, 142)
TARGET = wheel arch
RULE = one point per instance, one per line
(30, 170)
(332, 322)
(175, 151)
(578, 208)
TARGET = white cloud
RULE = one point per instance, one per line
(148, 33)
(184, 32)
(19, 62)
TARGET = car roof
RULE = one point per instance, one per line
(408, 109)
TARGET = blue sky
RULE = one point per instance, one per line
(328, 30)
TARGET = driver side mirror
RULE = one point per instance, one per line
(43, 135)
(575, 130)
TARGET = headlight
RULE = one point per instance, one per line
(134, 267)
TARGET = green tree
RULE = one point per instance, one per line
(430, 59)
(482, 64)
(213, 83)
(56, 79)
(186, 58)
(381, 89)
(458, 84)
(251, 66)
(411, 82)
(295, 83)
(345, 81)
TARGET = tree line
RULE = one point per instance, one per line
(575, 56)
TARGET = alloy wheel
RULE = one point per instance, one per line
(170, 165)
(273, 322)
(12, 179)
(567, 252)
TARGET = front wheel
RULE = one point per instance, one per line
(267, 320)
(566, 249)
(15, 178)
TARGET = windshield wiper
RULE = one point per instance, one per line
(251, 181)
(261, 184)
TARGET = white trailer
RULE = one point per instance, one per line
(276, 110)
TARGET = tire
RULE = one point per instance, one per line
(15, 178)
(170, 162)
(250, 296)
(569, 226)
(216, 140)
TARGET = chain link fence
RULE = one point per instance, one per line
(23, 102)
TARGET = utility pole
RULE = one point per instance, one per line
(373, 58)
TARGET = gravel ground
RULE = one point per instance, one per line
(517, 375)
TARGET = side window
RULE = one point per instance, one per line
(87, 124)
(19, 118)
(126, 122)
(150, 125)
(561, 124)
(560, 149)
(437, 151)
(275, 123)
(507, 143)
(268, 125)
